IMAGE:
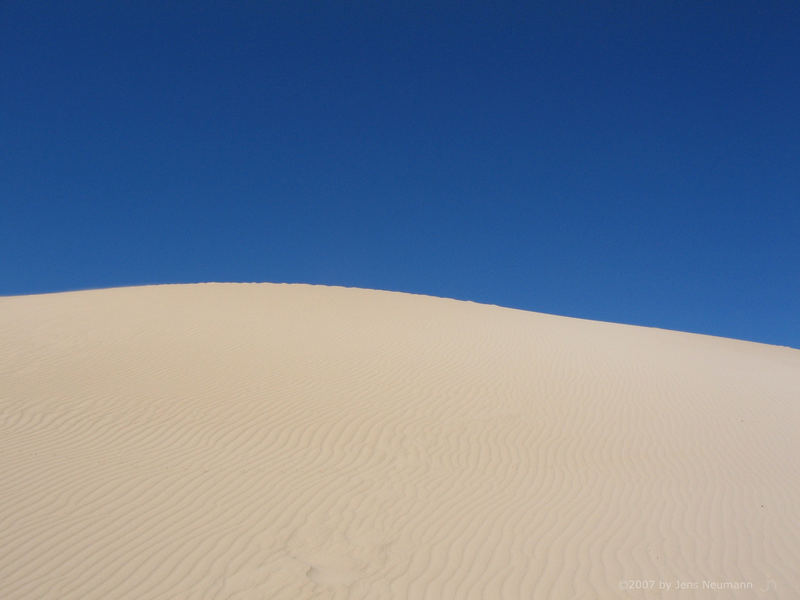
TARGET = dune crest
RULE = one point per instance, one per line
(272, 441)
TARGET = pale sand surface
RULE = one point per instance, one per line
(293, 441)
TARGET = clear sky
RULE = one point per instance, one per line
(636, 162)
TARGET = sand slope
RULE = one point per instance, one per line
(292, 441)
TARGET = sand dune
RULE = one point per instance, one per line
(291, 441)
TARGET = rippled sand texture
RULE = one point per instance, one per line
(291, 441)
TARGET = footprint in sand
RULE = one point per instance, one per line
(334, 558)
(330, 569)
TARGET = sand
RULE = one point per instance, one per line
(292, 441)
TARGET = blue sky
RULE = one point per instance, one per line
(634, 162)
